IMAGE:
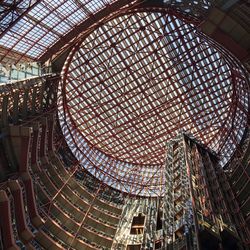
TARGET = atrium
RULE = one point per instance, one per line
(124, 124)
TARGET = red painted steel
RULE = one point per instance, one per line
(20, 217)
(43, 139)
(34, 148)
(137, 81)
(50, 122)
(5, 222)
(25, 147)
(31, 202)
(35, 29)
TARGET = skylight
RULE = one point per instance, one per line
(136, 82)
(31, 33)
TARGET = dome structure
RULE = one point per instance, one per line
(124, 124)
(137, 81)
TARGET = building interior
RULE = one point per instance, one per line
(124, 124)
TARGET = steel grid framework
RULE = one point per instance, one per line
(30, 29)
(10, 11)
(37, 29)
(137, 81)
(198, 8)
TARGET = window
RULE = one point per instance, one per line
(133, 247)
(137, 225)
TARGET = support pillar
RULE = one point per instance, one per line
(31, 204)
(20, 217)
(5, 223)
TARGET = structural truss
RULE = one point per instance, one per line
(138, 80)
(31, 28)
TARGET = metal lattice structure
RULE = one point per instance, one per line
(31, 29)
(195, 200)
(133, 130)
(10, 11)
(195, 8)
(137, 81)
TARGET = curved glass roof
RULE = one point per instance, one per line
(30, 28)
(35, 30)
(136, 82)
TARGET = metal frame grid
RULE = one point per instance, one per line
(32, 27)
(137, 81)
(198, 8)
(33, 30)
(10, 11)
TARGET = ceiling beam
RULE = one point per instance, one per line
(70, 38)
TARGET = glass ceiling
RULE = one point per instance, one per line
(31, 27)
(197, 8)
(136, 82)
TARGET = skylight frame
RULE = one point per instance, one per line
(118, 146)
(69, 14)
